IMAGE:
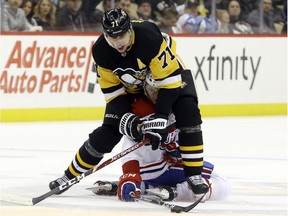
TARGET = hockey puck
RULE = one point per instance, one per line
(175, 210)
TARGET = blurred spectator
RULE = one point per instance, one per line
(284, 30)
(27, 7)
(57, 3)
(168, 23)
(220, 5)
(187, 21)
(2, 2)
(144, 11)
(201, 9)
(71, 18)
(159, 5)
(279, 4)
(181, 8)
(255, 17)
(279, 14)
(247, 6)
(128, 7)
(45, 14)
(191, 22)
(191, 8)
(237, 25)
(224, 18)
(89, 6)
(14, 18)
(96, 16)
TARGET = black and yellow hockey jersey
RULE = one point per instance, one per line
(122, 73)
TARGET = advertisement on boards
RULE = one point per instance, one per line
(57, 71)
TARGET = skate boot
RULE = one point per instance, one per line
(166, 193)
(106, 188)
(60, 181)
(197, 185)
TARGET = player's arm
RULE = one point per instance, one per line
(130, 181)
(109, 84)
(113, 91)
(166, 69)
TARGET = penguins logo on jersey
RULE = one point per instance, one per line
(131, 78)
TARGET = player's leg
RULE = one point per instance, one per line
(219, 185)
(102, 140)
(188, 121)
(219, 189)
(165, 185)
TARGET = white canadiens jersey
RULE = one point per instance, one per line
(151, 162)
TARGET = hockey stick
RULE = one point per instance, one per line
(28, 201)
(172, 207)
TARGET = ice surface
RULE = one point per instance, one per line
(250, 151)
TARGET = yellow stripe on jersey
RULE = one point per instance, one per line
(191, 148)
(110, 96)
(170, 82)
(107, 79)
(193, 164)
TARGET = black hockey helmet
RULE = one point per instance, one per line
(115, 22)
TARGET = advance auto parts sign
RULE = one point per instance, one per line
(51, 70)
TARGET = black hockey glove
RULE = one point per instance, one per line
(130, 125)
(155, 128)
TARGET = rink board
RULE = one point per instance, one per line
(50, 76)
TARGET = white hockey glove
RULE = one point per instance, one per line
(155, 128)
(130, 125)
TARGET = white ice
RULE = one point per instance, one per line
(250, 151)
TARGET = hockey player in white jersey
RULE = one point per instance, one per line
(159, 172)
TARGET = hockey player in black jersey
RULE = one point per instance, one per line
(123, 54)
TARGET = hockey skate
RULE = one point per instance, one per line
(166, 193)
(197, 185)
(105, 188)
(60, 181)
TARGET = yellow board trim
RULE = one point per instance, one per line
(243, 110)
(52, 114)
(97, 113)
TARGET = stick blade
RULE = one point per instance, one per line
(193, 205)
(10, 198)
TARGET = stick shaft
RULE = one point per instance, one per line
(89, 172)
(170, 205)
